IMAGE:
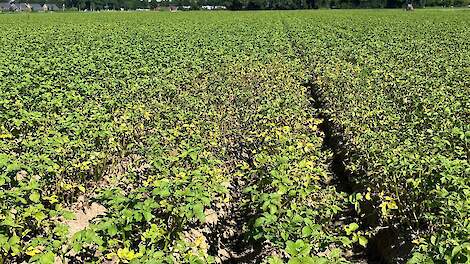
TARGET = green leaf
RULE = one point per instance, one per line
(275, 260)
(39, 216)
(294, 260)
(351, 228)
(419, 258)
(363, 241)
(198, 210)
(306, 231)
(14, 246)
(456, 250)
(47, 258)
(34, 197)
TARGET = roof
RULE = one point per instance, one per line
(53, 7)
(36, 7)
(4, 6)
(22, 7)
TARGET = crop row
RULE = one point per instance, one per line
(397, 87)
(137, 138)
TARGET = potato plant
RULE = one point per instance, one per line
(192, 138)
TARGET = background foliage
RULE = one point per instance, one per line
(251, 4)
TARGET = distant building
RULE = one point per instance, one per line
(211, 7)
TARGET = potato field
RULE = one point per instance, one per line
(324, 136)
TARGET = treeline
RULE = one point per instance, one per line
(307, 4)
(253, 4)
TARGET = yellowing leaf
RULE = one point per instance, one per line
(32, 251)
(126, 254)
